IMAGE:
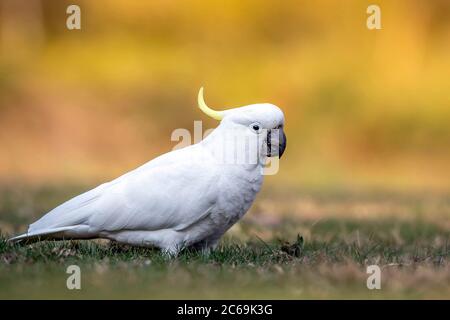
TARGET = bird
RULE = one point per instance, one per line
(186, 198)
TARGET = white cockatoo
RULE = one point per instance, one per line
(185, 198)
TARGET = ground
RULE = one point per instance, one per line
(293, 244)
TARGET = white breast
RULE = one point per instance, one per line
(238, 189)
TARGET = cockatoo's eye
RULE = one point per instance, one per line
(256, 127)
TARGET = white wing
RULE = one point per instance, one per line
(171, 191)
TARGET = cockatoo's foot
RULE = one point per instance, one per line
(205, 247)
(171, 252)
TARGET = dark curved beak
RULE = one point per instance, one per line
(282, 145)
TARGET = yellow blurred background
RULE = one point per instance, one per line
(364, 108)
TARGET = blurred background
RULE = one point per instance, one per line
(365, 108)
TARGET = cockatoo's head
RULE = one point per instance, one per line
(263, 122)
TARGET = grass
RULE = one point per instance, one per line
(288, 255)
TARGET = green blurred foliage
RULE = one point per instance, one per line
(363, 108)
